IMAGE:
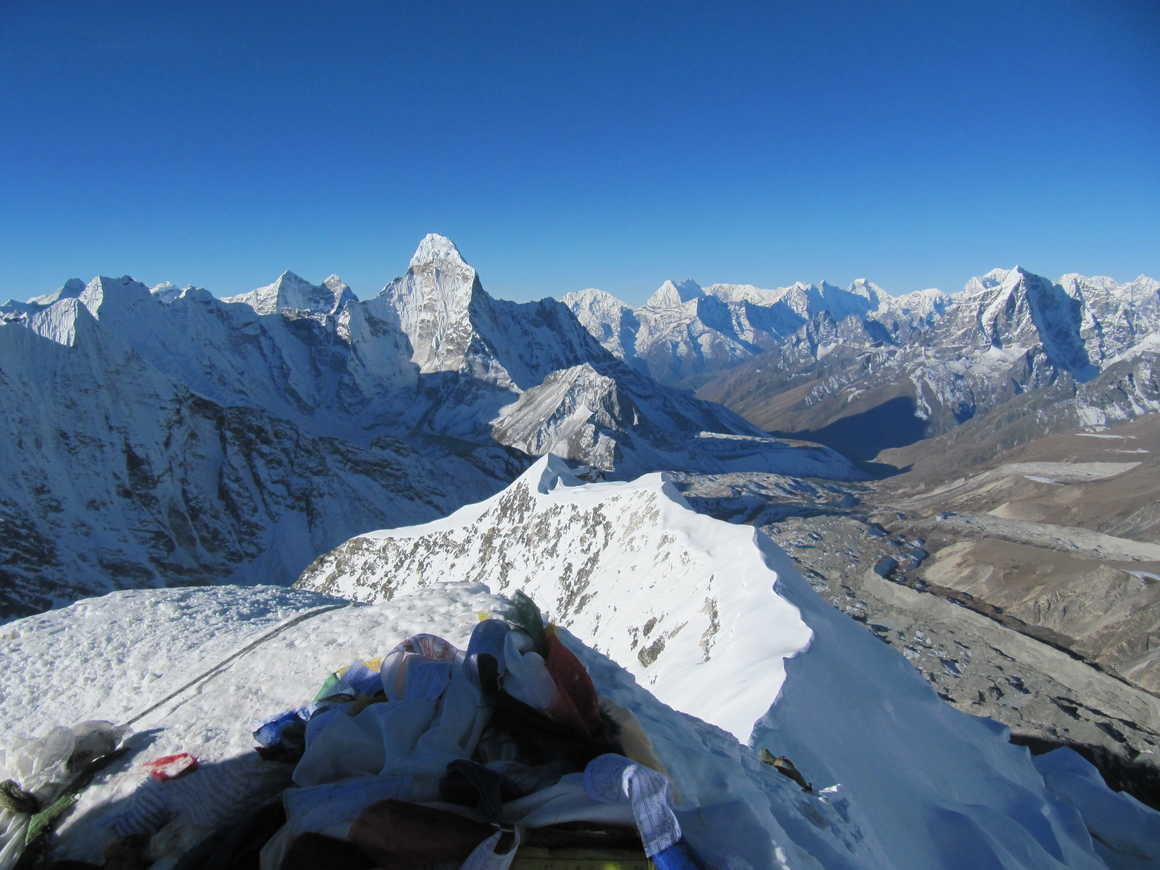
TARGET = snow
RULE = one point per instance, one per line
(1125, 833)
(1066, 472)
(716, 621)
(1098, 435)
(1008, 330)
(292, 293)
(672, 295)
(434, 248)
(752, 659)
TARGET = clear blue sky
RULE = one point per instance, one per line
(573, 145)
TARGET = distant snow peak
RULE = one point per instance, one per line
(673, 295)
(120, 292)
(868, 290)
(71, 289)
(290, 279)
(983, 283)
(292, 292)
(167, 292)
(435, 248)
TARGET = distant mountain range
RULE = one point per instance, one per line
(862, 370)
(168, 437)
(161, 436)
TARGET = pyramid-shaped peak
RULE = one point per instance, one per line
(336, 285)
(290, 278)
(436, 248)
(671, 294)
(1018, 277)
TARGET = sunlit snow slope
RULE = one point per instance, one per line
(715, 620)
(916, 785)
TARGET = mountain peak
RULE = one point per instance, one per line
(995, 278)
(293, 292)
(288, 278)
(867, 289)
(436, 248)
(71, 289)
(671, 295)
(120, 293)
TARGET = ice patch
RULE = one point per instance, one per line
(1067, 472)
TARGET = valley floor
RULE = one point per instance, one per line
(1028, 592)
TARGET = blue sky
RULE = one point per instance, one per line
(574, 145)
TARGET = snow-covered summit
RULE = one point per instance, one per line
(166, 292)
(71, 289)
(337, 286)
(291, 292)
(105, 296)
(672, 295)
(995, 278)
(435, 248)
(715, 621)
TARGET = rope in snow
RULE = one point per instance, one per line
(230, 659)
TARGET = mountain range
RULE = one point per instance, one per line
(862, 370)
(160, 437)
(434, 434)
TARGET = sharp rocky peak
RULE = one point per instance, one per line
(288, 278)
(340, 289)
(435, 248)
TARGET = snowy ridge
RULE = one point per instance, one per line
(639, 538)
(715, 621)
(1078, 322)
(917, 366)
(685, 330)
(292, 293)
